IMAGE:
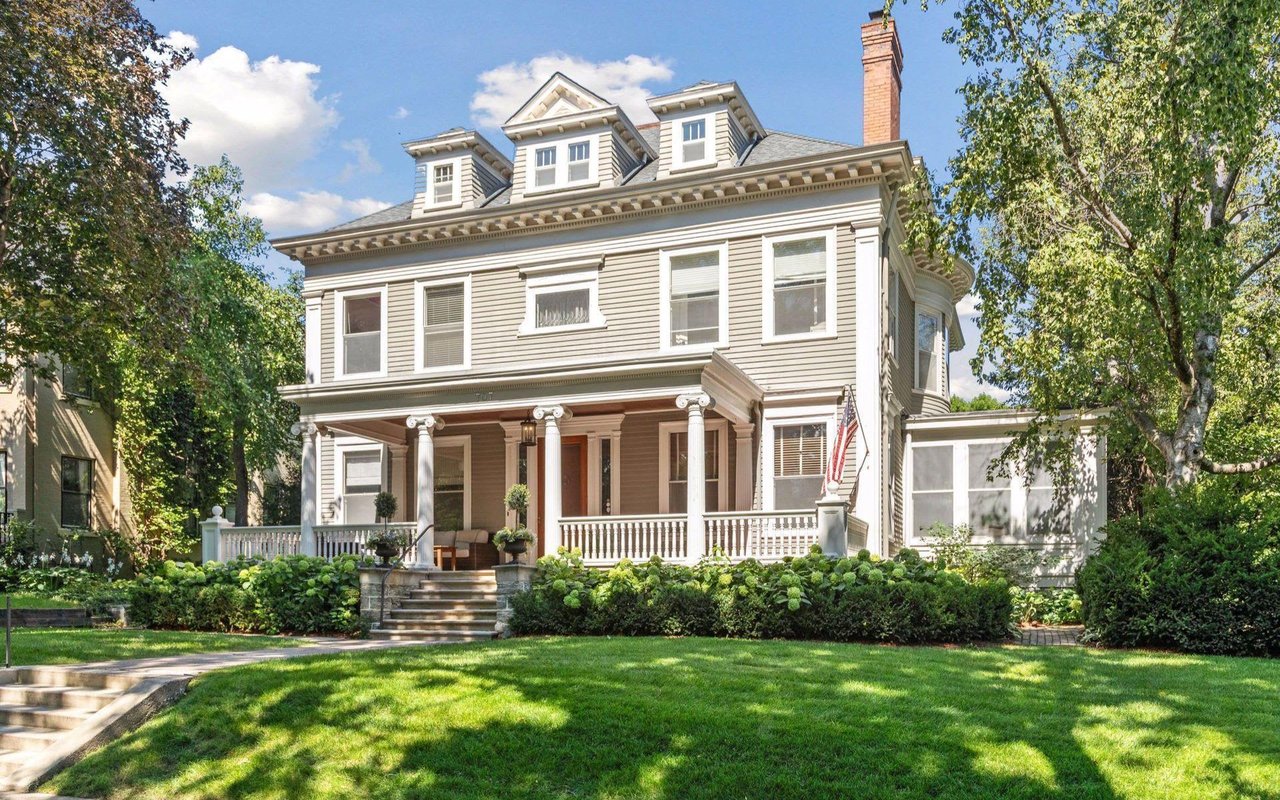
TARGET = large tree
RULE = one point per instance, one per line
(88, 224)
(1117, 190)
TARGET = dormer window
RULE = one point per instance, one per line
(544, 172)
(562, 165)
(442, 182)
(579, 161)
(693, 140)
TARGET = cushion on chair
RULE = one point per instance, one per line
(446, 538)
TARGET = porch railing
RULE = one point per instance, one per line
(264, 541)
(349, 540)
(609, 539)
(762, 535)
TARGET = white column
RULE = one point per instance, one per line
(211, 536)
(310, 486)
(870, 319)
(696, 485)
(743, 467)
(426, 425)
(551, 505)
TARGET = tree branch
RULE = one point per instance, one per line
(1239, 468)
(1258, 265)
(1145, 422)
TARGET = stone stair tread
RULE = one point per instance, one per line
(27, 737)
(74, 715)
(54, 696)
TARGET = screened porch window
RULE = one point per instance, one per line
(931, 487)
(678, 471)
(799, 287)
(695, 299)
(362, 334)
(444, 326)
(988, 499)
(799, 464)
(361, 482)
(450, 487)
(77, 492)
(1047, 512)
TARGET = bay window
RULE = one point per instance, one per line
(895, 298)
(694, 288)
(929, 346)
(799, 295)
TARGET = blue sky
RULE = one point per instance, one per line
(313, 99)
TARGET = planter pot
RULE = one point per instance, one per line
(386, 551)
(514, 549)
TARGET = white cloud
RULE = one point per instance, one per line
(968, 306)
(265, 115)
(400, 113)
(963, 384)
(307, 211)
(365, 164)
(504, 89)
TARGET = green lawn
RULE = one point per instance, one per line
(73, 645)
(25, 600)
(697, 718)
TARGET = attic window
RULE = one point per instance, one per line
(579, 161)
(544, 173)
(442, 182)
(562, 164)
(694, 140)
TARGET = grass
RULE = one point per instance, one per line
(74, 645)
(700, 718)
(27, 600)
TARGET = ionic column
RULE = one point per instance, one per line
(551, 504)
(743, 466)
(310, 490)
(696, 485)
(426, 425)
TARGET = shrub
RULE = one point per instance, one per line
(1046, 606)
(975, 562)
(294, 594)
(1197, 571)
(906, 600)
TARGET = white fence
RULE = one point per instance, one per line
(762, 535)
(608, 540)
(266, 541)
(349, 540)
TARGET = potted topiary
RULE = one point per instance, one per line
(515, 540)
(386, 545)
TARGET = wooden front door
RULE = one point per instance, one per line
(573, 481)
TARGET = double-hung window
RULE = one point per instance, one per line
(799, 286)
(443, 182)
(75, 383)
(894, 301)
(544, 167)
(444, 311)
(361, 482)
(694, 143)
(695, 295)
(361, 332)
(450, 487)
(929, 344)
(562, 302)
(989, 498)
(932, 494)
(579, 161)
(799, 464)
(77, 492)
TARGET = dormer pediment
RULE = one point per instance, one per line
(560, 96)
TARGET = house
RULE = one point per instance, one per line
(573, 315)
(58, 459)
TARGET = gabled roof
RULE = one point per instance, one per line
(704, 93)
(459, 139)
(559, 96)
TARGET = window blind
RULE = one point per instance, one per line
(445, 319)
(799, 450)
(698, 273)
(800, 261)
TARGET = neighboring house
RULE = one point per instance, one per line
(574, 316)
(58, 458)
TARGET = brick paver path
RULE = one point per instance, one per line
(1051, 635)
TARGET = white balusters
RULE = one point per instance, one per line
(608, 540)
(762, 535)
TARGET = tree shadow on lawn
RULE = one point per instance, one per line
(709, 718)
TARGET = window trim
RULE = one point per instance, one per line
(339, 327)
(830, 329)
(561, 148)
(62, 491)
(677, 142)
(347, 446)
(420, 319)
(429, 183)
(717, 425)
(894, 319)
(463, 441)
(664, 297)
(785, 418)
(536, 285)
(939, 350)
(74, 397)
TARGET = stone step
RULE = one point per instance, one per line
(428, 615)
(466, 583)
(438, 625)
(59, 676)
(446, 604)
(57, 696)
(43, 717)
(27, 738)
(437, 593)
(429, 636)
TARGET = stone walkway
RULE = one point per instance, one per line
(1051, 635)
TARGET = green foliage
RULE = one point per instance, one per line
(506, 536)
(906, 600)
(384, 505)
(954, 550)
(983, 402)
(1198, 571)
(293, 594)
(1046, 606)
(517, 499)
(1118, 191)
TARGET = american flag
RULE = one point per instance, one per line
(846, 427)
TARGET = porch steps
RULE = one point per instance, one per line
(457, 606)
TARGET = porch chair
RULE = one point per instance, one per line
(465, 543)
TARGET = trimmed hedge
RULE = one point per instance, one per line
(1199, 571)
(293, 594)
(906, 600)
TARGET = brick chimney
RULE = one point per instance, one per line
(881, 80)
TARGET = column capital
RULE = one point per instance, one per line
(304, 429)
(744, 430)
(695, 402)
(425, 423)
(552, 413)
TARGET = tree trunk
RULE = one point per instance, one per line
(1185, 449)
(242, 473)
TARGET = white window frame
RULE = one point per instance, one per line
(664, 309)
(677, 142)
(420, 319)
(939, 350)
(893, 321)
(720, 427)
(829, 330)
(463, 441)
(339, 328)
(454, 179)
(429, 183)
(347, 446)
(536, 285)
(784, 417)
(561, 149)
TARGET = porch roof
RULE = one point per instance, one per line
(511, 392)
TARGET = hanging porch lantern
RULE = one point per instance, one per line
(529, 432)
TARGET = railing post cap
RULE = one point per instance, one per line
(217, 512)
